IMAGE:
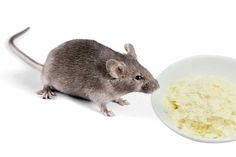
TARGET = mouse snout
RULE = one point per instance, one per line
(156, 85)
(151, 86)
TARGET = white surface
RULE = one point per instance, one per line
(202, 65)
(162, 32)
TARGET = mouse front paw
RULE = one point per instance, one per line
(108, 113)
(46, 93)
(105, 111)
(121, 102)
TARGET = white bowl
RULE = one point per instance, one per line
(224, 67)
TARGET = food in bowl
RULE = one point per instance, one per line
(202, 105)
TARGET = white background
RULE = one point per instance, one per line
(162, 32)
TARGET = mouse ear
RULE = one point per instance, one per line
(130, 50)
(116, 69)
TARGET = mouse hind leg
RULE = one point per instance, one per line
(47, 92)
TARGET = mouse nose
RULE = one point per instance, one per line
(150, 86)
(156, 85)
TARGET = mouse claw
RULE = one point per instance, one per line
(108, 113)
(53, 93)
(121, 102)
(105, 111)
(46, 93)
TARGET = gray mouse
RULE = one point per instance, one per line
(90, 70)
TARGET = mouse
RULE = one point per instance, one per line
(90, 70)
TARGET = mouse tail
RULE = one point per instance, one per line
(21, 54)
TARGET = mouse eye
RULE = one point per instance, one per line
(138, 77)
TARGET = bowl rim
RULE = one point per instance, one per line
(172, 126)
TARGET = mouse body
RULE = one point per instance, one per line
(91, 70)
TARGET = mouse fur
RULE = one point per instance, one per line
(91, 70)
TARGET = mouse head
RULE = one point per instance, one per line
(129, 75)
